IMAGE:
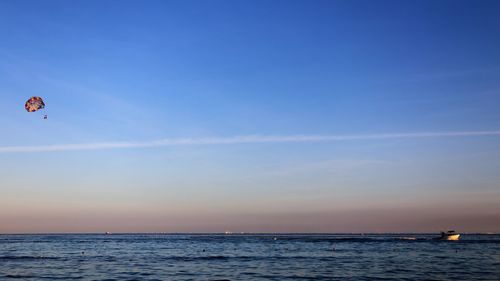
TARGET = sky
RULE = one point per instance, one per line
(250, 116)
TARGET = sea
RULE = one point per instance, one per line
(248, 257)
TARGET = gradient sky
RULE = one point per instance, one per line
(207, 116)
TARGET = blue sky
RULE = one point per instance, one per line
(141, 71)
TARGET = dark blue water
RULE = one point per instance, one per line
(248, 257)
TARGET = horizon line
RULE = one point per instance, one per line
(243, 233)
(243, 139)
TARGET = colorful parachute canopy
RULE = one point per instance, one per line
(34, 104)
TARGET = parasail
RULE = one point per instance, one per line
(34, 104)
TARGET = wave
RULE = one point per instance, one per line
(26, 258)
(373, 239)
(237, 258)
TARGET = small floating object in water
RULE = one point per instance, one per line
(107, 233)
(449, 236)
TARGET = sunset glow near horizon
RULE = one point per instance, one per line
(250, 116)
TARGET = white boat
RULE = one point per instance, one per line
(450, 235)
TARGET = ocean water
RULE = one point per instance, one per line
(248, 257)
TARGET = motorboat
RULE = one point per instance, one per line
(449, 235)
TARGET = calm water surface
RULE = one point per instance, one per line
(248, 257)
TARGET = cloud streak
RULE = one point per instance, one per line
(240, 140)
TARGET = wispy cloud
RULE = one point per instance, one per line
(240, 140)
